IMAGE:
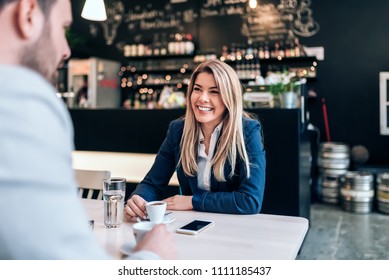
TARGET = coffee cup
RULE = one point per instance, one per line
(156, 211)
(141, 229)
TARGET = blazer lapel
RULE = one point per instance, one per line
(214, 183)
(193, 183)
(217, 186)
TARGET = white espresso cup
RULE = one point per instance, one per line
(156, 211)
(141, 229)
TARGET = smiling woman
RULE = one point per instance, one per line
(206, 102)
(216, 150)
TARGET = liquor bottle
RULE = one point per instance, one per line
(224, 52)
(189, 45)
(150, 104)
(178, 45)
(239, 53)
(127, 50)
(143, 101)
(298, 48)
(163, 45)
(136, 101)
(287, 50)
(246, 69)
(292, 50)
(282, 50)
(155, 99)
(148, 50)
(266, 51)
(133, 50)
(261, 52)
(239, 70)
(232, 52)
(243, 52)
(156, 45)
(141, 50)
(255, 51)
(257, 68)
(249, 52)
(275, 51)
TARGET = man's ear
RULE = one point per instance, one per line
(29, 19)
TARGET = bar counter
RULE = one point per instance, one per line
(287, 144)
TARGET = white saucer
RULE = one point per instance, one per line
(167, 219)
(126, 249)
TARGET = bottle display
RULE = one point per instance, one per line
(162, 45)
(276, 56)
(156, 83)
(161, 80)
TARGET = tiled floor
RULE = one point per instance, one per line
(335, 234)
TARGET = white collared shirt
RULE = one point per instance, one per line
(204, 160)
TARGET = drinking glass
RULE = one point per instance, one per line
(113, 193)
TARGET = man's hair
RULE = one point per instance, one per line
(45, 5)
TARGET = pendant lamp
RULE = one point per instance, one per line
(94, 10)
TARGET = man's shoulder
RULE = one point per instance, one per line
(24, 75)
(25, 88)
(22, 84)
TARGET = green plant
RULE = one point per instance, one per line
(282, 82)
(74, 39)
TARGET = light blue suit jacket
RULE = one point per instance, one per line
(40, 213)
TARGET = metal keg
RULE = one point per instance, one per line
(329, 189)
(357, 191)
(383, 192)
(333, 162)
(333, 155)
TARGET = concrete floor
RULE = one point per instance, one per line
(335, 234)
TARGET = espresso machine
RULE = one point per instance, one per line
(94, 83)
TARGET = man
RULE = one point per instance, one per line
(41, 216)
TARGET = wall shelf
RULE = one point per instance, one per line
(141, 57)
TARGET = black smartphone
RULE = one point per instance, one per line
(195, 227)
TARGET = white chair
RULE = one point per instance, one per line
(90, 182)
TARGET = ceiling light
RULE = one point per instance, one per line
(94, 10)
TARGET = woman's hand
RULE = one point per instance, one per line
(135, 208)
(179, 202)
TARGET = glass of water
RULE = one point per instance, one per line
(113, 192)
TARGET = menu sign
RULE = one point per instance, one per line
(139, 21)
(219, 8)
(271, 21)
(265, 23)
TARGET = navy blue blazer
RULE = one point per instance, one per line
(238, 195)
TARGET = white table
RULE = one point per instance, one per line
(260, 236)
(131, 166)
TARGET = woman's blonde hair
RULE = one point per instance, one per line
(231, 144)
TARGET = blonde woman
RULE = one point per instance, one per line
(216, 149)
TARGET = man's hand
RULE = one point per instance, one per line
(159, 241)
